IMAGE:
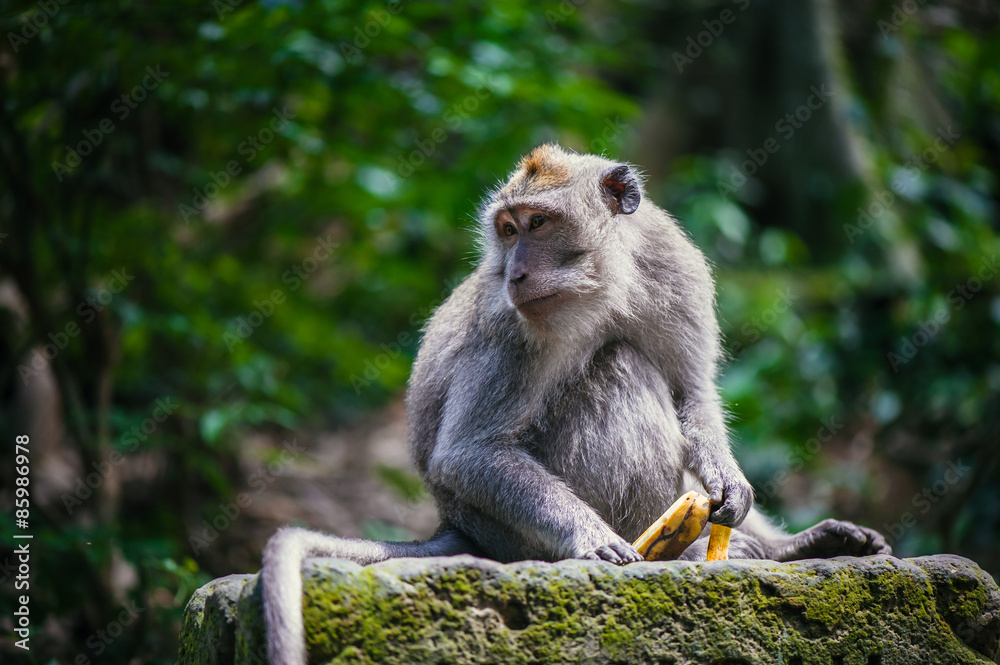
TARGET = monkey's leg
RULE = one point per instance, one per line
(497, 484)
(827, 539)
(831, 538)
(282, 577)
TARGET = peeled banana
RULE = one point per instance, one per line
(718, 543)
(668, 537)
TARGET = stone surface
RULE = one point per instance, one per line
(939, 609)
(208, 634)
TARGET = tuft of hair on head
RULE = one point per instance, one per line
(542, 169)
(540, 159)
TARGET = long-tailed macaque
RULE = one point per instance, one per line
(565, 394)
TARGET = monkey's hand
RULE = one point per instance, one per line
(730, 494)
(620, 552)
(612, 548)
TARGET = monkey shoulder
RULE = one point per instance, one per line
(452, 327)
(457, 363)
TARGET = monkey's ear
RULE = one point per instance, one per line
(622, 186)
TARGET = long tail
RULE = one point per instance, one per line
(282, 577)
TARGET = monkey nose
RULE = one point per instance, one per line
(518, 275)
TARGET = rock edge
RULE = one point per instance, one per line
(936, 609)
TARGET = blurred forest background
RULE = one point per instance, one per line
(223, 223)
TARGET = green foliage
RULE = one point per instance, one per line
(893, 338)
(406, 485)
(289, 188)
(249, 210)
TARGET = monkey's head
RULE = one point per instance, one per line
(552, 235)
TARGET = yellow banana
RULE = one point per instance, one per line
(677, 528)
(718, 543)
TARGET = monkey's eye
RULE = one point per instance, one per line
(536, 221)
(509, 230)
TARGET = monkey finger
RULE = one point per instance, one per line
(875, 542)
(737, 501)
(606, 553)
(727, 513)
(713, 488)
(627, 553)
(724, 515)
(837, 538)
(854, 534)
(879, 546)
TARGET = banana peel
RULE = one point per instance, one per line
(682, 524)
(668, 537)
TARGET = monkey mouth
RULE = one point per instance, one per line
(537, 309)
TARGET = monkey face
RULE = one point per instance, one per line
(536, 250)
(549, 233)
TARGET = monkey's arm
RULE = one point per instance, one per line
(505, 499)
(710, 456)
(689, 350)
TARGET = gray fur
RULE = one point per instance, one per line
(563, 428)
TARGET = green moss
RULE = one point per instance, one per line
(467, 610)
(617, 639)
(835, 600)
(209, 628)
